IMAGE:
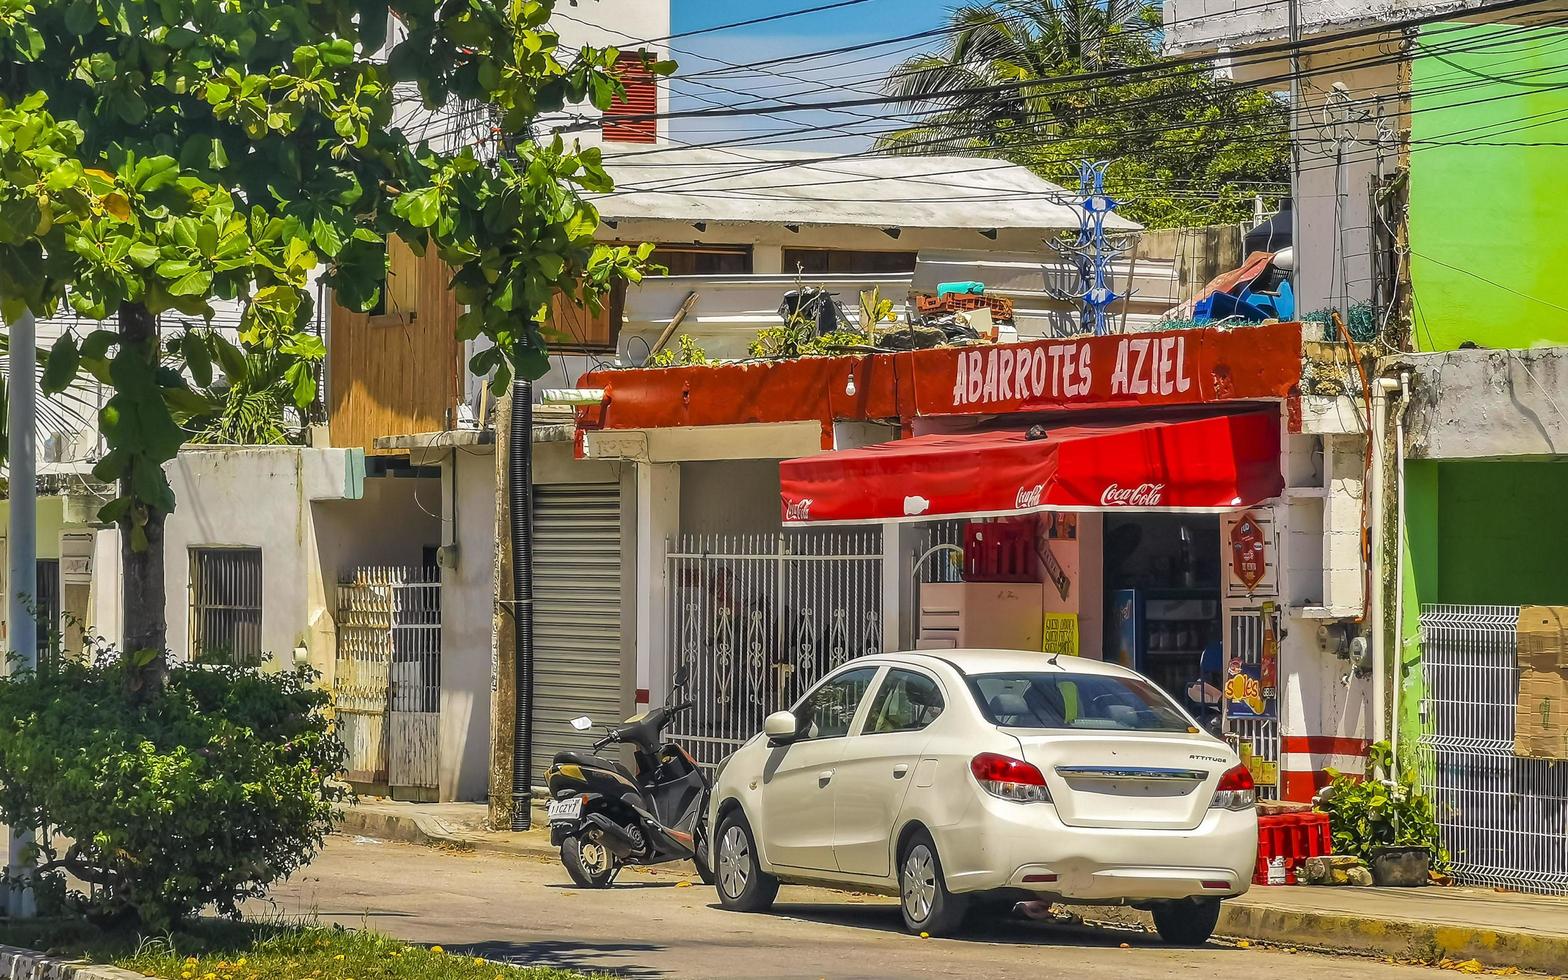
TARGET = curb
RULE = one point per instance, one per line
(1403, 939)
(27, 964)
(1250, 919)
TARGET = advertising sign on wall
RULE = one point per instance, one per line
(1061, 634)
(1251, 554)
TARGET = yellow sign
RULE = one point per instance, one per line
(1061, 633)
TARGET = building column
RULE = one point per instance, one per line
(657, 517)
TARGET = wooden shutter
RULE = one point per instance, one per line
(641, 99)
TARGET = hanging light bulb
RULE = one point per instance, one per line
(849, 386)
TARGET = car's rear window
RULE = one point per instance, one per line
(1076, 701)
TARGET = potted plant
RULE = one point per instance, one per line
(1385, 820)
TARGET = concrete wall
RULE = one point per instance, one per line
(258, 497)
(468, 497)
(1479, 404)
(1208, 25)
(730, 497)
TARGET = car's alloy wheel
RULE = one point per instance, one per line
(734, 861)
(919, 885)
(742, 883)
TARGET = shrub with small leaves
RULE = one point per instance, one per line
(204, 794)
(1368, 814)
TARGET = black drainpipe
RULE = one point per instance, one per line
(520, 491)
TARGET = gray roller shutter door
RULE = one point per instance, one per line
(577, 615)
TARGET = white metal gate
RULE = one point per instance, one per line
(758, 618)
(1504, 819)
(577, 616)
(388, 679)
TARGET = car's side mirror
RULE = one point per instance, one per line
(780, 728)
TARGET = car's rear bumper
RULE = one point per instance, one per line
(1001, 844)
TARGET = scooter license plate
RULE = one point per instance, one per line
(561, 811)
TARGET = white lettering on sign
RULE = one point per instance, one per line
(1028, 496)
(1142, 495)
(1151, 366)
(1057, 372)
(799, 510)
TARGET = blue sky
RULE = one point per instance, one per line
(802, 78)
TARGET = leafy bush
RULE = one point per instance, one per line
(1376, 812)
(690, 354)
(204, 792)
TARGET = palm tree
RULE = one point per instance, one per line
(1188, 148)
(971, 85)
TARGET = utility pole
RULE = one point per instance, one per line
(1293, 6)
(22, 577)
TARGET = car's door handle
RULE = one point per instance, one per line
(825, 776)
(900, 771)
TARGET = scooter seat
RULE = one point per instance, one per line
(594, 762)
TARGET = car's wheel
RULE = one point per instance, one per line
(591, 865)
(927, 905)
(742, 884)
(701, 857)
(1187, 923)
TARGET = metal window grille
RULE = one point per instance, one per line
(49, 609)
(1246, 643)
(757, 619)
(1503, 819)
(226, 599)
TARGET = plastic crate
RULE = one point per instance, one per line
(1286, 840)
(1000, 306)
(1000, 551)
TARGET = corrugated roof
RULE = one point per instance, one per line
(699, 183)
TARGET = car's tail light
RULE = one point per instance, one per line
(1236, 790)
(1009, 779)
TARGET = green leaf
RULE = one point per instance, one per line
(114, 510)
(81, 17)
(419, 208)
(230, 359)
(60, 368)
(197, 358)
(303, 382)
(194, 283)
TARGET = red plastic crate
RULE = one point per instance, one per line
(1000, 551)
(1293, 837)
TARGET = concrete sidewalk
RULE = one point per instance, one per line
(1428, 925)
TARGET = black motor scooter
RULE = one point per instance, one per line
(604, 816)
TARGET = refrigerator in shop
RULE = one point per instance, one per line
(1161, 633)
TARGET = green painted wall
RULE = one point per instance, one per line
(1420, 550)
(1502, 536)
(1486, 220)
(51, 521)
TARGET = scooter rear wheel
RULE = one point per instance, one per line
(591, 865)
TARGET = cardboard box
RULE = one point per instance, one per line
(1541, 720)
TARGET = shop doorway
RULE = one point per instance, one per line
(1163, 609)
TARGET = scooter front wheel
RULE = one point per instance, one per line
(591, 865)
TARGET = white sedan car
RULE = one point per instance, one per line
(985, 777)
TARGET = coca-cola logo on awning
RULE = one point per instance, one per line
(798, 510)
(1142, 495)
(1028, 496)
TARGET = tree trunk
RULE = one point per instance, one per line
(145, 625)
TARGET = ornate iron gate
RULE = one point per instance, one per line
(1504, 819)
(388, 683)
(759, 618)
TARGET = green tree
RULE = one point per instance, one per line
(1187, 147)
(228, 149)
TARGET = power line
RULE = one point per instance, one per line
(762, 20)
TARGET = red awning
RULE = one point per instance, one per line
(1215, 463)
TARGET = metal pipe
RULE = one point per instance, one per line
(520, 498)
(22, 570)
(1399, 563)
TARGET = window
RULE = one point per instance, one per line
(827, 711)
(829, 261)
(620, 124)
(906, 702)
(226, 605)
(1076, 701)
(703, 260)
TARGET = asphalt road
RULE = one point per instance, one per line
(650, 925)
